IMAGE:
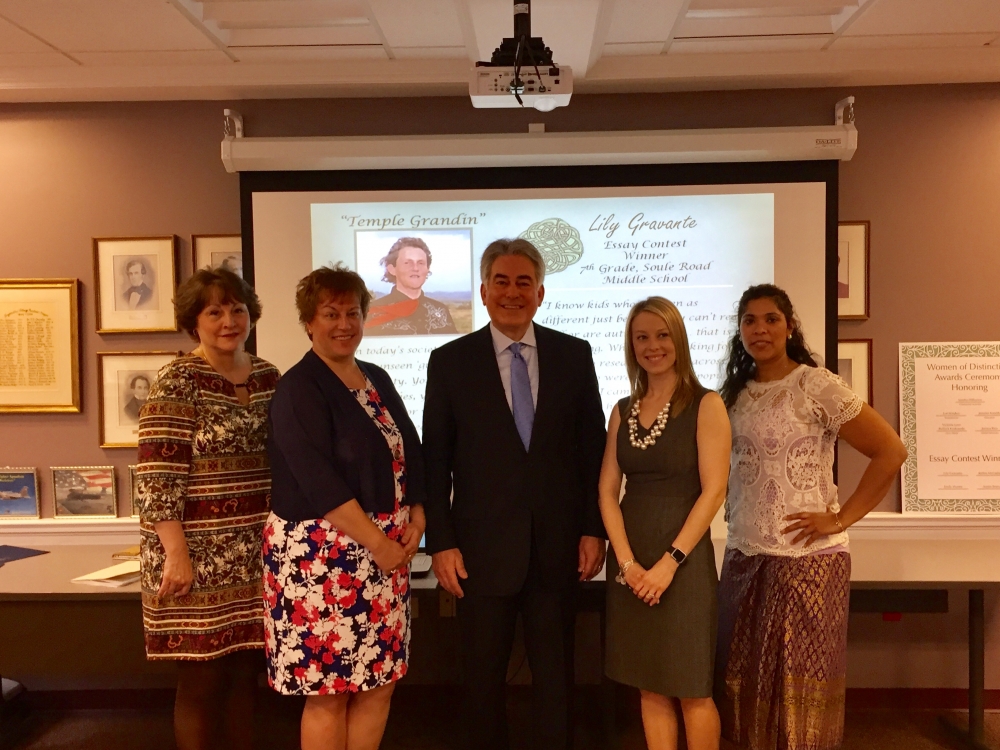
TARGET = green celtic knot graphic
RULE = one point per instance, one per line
(558, 241)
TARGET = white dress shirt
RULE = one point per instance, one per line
(529, 350)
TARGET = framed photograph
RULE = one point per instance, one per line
(217, 251)
(133, 491)
(852, 270)
(84, 491)
(123, 383)
(135, 280)
(39, 345)
(18, 493)
(854, 364)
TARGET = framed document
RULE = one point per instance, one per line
(854, 365)
(217, 251)
(39, 346)
(123, 383)
(18, 493)
(949, 398)
(135, 280)
(133, 491)
(852, 270)
(84, 491)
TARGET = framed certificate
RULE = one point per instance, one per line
(124, 380)
(217, 251)
(39, 346)
(949, 396)
(852, 270)
(135, 278)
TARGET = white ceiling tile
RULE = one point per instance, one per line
(154, 57)
(106, 25)
(325, 36)
(310, 54)
(427, 23)
(643, 20)
(733, 27)
(567, 27)
(912, 41)
(48, 59)
(424, 53)
(492, 21)
(237, 14)
(806, 6)
(13, 40)
(632, 49)
(890, 17)
(749, 44)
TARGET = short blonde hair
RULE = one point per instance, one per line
(687, 380)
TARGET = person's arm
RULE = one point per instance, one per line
(609, 492)
(871, 435)
(440, 434)
(302, 431)
(591, 436)
(166, 427)
(715, 442)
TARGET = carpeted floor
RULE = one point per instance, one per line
(425, 718)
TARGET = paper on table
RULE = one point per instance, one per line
(117, 575)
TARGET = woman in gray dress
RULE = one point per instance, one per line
(671, 441)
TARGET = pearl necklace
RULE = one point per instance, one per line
(654, 431)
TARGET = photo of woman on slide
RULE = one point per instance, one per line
(416, 302)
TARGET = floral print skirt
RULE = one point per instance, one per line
(333, 622)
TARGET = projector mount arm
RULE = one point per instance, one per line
(512, 50)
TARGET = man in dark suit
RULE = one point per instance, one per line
(513, 425)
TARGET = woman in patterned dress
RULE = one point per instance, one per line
(785, 584)
(347, 517)
(204, 487)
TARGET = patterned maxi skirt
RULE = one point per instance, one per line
(782, 650)
(333, 622)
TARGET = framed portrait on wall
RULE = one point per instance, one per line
(854, 365)
(135, 279)
(124, 380)
(18, 493)
(39, 345)
(852, 270)
(84, 491)
(217, 251)
(133, 491)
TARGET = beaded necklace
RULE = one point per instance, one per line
(655, 430)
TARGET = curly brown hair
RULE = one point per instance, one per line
(208, 285)
(332, 281)
(393, 255)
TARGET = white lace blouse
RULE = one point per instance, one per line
(784, 433)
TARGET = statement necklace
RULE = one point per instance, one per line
(655, 430)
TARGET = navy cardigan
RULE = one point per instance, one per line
(325, 449)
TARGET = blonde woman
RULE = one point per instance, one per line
(671, 440)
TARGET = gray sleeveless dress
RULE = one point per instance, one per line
(668, 648)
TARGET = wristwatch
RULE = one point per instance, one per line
(679, 557)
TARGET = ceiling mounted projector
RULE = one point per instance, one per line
(521, 72)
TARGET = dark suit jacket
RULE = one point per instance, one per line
(503, 495)
(145, 294)
(324, 449)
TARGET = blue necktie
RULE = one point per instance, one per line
(520, 395)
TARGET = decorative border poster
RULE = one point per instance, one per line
(950, 423)
(39, 346)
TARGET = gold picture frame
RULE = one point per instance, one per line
(853, 270)
(217, 251)
(135, 279)
(854, 365)
(133, 491)
(123, 383)
(84, 492)
(19, 497)
(40, 335)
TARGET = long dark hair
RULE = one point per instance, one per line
(740, 367)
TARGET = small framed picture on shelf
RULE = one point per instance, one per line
(18, 493)
(854, 365)
(84, 491)
(852, 270)
(39, 340)
(124, 380)
(135, 278)
(217, 251)
(133, 490)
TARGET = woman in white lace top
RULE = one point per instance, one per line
(785, 584)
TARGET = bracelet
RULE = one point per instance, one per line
(626, 565)
(836, 517)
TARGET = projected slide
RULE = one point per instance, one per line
(602, 254)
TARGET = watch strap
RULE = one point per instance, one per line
(679, 557)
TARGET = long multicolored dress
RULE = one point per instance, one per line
(782, 647)
(203, 462)
(334, 622)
